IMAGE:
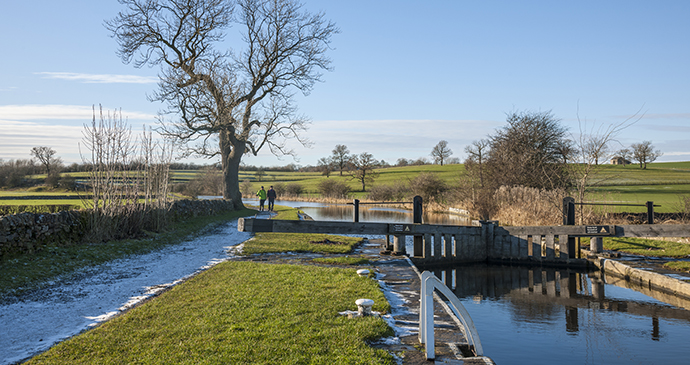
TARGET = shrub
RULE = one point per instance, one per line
(53, 180)
(331, 188)
(280, 188)
(68, 182)
(294, 189)
(387, 192)
(246, 189)
(429, 186)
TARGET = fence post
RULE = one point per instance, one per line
(650, 212)
(569, 220)
(417, 214)
(568, 211)
(355, 213)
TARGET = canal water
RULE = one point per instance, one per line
(528, 315)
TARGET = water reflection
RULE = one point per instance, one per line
(540, 314)
(367, 213)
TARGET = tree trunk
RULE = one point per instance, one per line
(231, 155)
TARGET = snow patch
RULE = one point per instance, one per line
(36, 321)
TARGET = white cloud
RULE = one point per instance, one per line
(100, 78)
(49, 112)
(676, 154)
(19, 137)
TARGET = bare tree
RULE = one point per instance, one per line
(441, 152)
(363, 168)
(527, 152)
(326, 166)
(341, 157)
(644, 153)
(46, 157)
(591, 145)
(227, 102)
(259, 174)
(596, 148)
(476, 155)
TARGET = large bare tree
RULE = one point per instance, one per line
(441, 152)
(227, 102)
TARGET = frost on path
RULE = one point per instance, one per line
(34, 322)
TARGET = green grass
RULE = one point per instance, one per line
(22, 272)
(298, 242)
(241, 313)
(663, 183)
(683, 266)
(646, 247)
(343, 260)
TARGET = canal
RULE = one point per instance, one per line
(534, 315)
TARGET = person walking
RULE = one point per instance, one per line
(271, 198)
(262, 198)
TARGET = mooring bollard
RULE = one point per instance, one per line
(399, 245)
(596, 244)
(364, 307)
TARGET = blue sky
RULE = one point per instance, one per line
(406, 74)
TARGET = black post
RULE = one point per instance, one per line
(569, 220)
(355, 213)
(650, 212)
(417, 214)
(417, 210)
(568, 211)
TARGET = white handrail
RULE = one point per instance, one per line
(426, 315)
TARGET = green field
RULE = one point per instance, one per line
(665, 183)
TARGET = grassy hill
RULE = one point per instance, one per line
(664, 183)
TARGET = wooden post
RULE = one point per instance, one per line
(569, 220)
(650, 212)
(417, 214)
(355, 213)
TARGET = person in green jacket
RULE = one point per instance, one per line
(262, 198)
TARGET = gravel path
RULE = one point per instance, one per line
(36, 321)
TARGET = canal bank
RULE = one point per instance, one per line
(646, 275)
(400, 282)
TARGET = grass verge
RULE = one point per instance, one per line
(22, 272)
(683, 266)
(645, 247)
(241, 313)
(299, 242)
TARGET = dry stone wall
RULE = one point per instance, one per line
(28, 232)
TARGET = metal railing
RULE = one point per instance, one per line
(426, 316)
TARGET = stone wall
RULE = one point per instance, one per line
(28, 232)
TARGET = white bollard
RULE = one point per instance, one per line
(364, 307)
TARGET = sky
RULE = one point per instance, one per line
(406, 75)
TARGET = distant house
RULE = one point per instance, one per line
(620, 161)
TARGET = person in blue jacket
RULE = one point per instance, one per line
(271, 198)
